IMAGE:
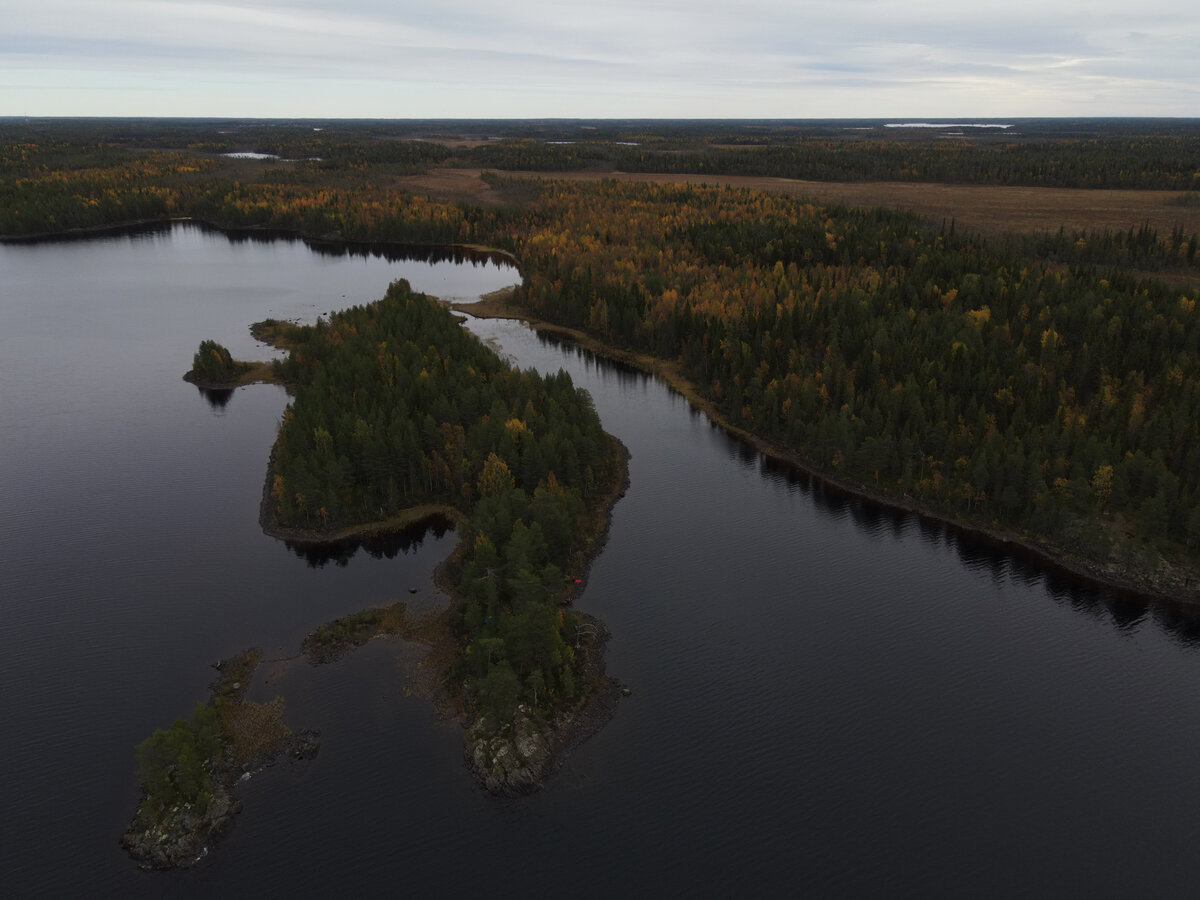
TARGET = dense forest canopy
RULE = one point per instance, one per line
(397, 405)
(1035, 385)
(1042, 397)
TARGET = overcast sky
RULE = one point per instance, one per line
(650, 58)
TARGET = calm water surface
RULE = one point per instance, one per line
(826, 700)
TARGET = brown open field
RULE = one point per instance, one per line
(986, 209)
(458, 143)
(449, 184)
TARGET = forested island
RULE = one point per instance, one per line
(1042, 388)
(399, 414)
(398, 407)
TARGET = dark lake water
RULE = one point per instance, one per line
(826, 700)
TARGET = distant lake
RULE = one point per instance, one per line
(249, 154)
(999, 126)
(827, 700)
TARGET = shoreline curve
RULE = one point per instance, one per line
(1182, 590)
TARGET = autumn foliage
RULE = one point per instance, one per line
(1036, 385)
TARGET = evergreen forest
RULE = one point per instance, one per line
(397, 405)
(1039, 386)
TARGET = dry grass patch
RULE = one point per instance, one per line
(253, 731)
(451, 184)
(990, 209)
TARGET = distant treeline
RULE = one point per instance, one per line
(1161, 155)
(1166, 162)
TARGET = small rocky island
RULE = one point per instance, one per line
(214, 368)
(188, 772)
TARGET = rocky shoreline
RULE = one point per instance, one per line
(182, 835)
(520, 759)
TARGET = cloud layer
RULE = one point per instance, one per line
(658, 58)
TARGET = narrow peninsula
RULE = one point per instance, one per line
(400, 415)
(398, 407)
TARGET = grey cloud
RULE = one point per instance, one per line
(854, 57)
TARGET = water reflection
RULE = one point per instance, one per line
(389, 252)
(624, 374)
(218, 398)
(146, 230)
(1126, 614)
(746, 455)
(380, 546)
(1180, 622)
(409, 252)
(1004, 562)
